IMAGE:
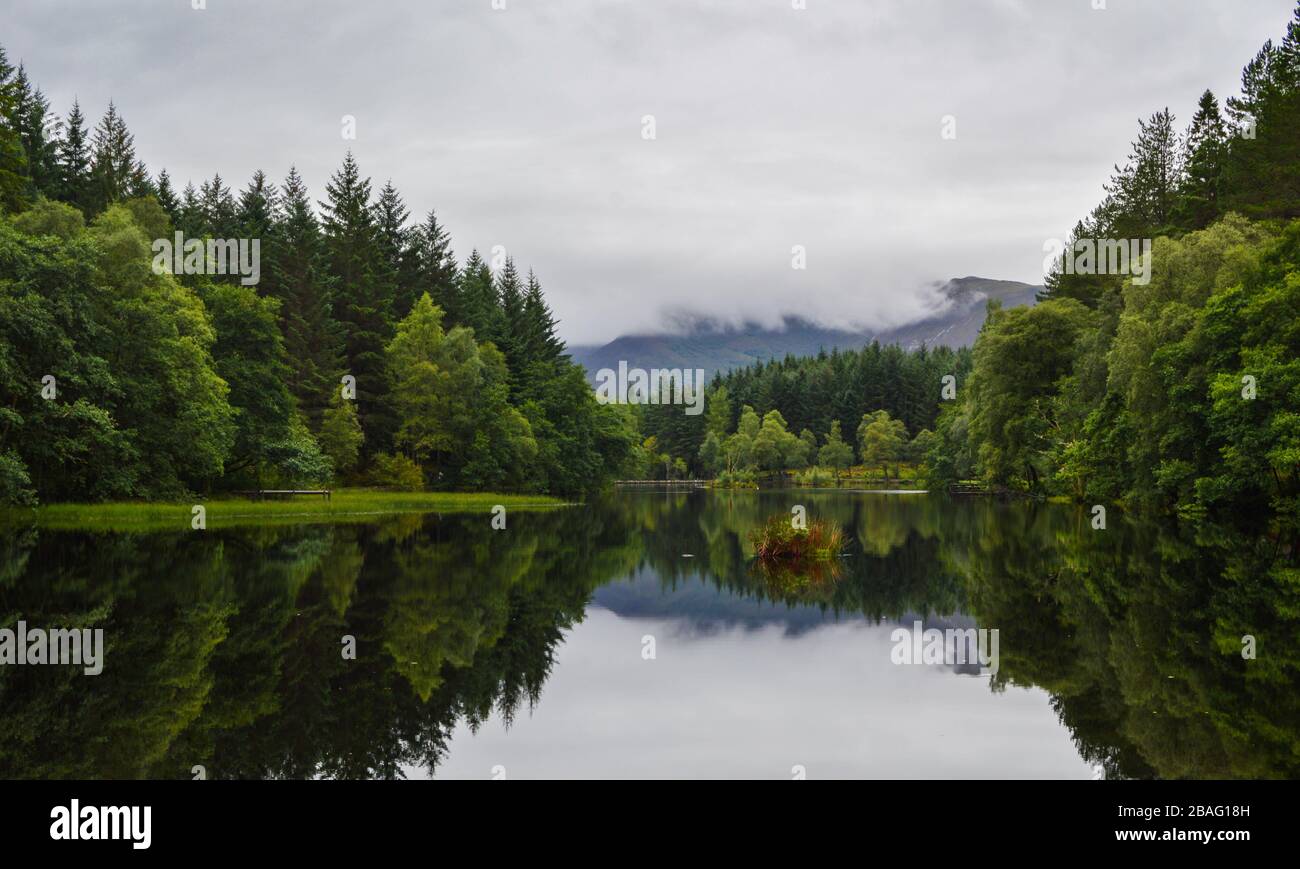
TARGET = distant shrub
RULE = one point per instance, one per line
(397, 472)
(736, 480)
(815, 476)
(15, 484)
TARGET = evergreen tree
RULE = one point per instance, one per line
(74, 161)
(255, 214)
(30, 118)
(112, 163)
(190, 217)
(512, 341)
(13, 162)
(1144, 190)
(438, 274)
(541, 343)
(139, 183)
(397, 246)
(1204, 149)
(363, 295)
(478, 294)
(298, 277)
(1262, 173)
(167, 196)
(217, 212)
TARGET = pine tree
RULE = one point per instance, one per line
(543, 345)
(217, 210)
(30, 114)
(255, 212)
(512, 342)
(139, 183)
(189, 218)
(438, 275)
(1262, 173)
(166, 195)
(13, 163)
(255, 217)
(1144, 190)
(113, 161)
(74, 161)
(391, 216)
(363, 295)
(1204, 151)
(397, 247)
(298, 277)
(478, 293)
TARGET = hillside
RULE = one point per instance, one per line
(720, 349)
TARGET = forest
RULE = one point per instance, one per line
(368, 353)
(796, 413)
(1177, 389)
(1181, 392)
(364, 353)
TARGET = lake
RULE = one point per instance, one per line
(633, 637)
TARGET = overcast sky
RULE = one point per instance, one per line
(774, 127)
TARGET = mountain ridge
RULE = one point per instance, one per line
(719, 348)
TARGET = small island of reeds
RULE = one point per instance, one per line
(779, 540)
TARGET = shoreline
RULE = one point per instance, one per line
(225, 511)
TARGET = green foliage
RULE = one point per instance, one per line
(183, 425)
(736, 480)
(297, 457)
(882, 441)
(396, 472)
(249, 357)
(363, 294)
(1020, 357)
(835, 453)
(13, 159)
(774, 448)
(711, 453)
(167, 384)
(15, 484)
(815, 476)
(451, 396)
(341, 436)
(1177, 394)
(47, 217)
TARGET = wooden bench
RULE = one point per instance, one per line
(260, 494)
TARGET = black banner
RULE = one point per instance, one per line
(330, 818)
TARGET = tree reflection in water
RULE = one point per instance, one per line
(224, 648)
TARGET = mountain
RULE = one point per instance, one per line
(707, 346)
(959, 322)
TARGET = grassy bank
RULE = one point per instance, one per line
(344, 505)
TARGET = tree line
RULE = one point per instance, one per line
(795, 413)
(365, 352)
(1179, 392)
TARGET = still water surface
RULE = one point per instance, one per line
(526, 652)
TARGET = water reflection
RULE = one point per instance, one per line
(224, 647)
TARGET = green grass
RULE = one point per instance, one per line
(779, 539)
(224, 511)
